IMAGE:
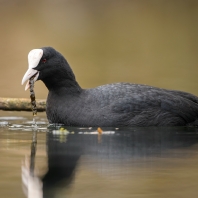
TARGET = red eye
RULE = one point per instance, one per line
(44, 60)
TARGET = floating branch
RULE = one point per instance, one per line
(21, 104)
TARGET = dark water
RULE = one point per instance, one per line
(80, 162)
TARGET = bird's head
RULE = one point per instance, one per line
(48, 65)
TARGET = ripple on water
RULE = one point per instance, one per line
(19, 123)
(37, 122)
(16, 127)
(3, 123)
(12, 118)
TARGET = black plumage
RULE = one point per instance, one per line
(119, 104)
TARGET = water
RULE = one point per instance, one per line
(80, 162)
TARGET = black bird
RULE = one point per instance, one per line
(111, 105)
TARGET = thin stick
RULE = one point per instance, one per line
(32, 96)
(21, 104)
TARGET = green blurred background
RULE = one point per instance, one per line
(152, 42)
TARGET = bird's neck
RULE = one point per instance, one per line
(63, 84)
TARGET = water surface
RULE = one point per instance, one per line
(80, 162)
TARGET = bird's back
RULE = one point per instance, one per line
(125, 104)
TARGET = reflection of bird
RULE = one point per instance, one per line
(32, 185)
(119, 104)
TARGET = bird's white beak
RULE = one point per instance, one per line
(29, 73)
(34, 58)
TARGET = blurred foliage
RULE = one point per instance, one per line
(142, 41)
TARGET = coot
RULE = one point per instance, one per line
(111, 105)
